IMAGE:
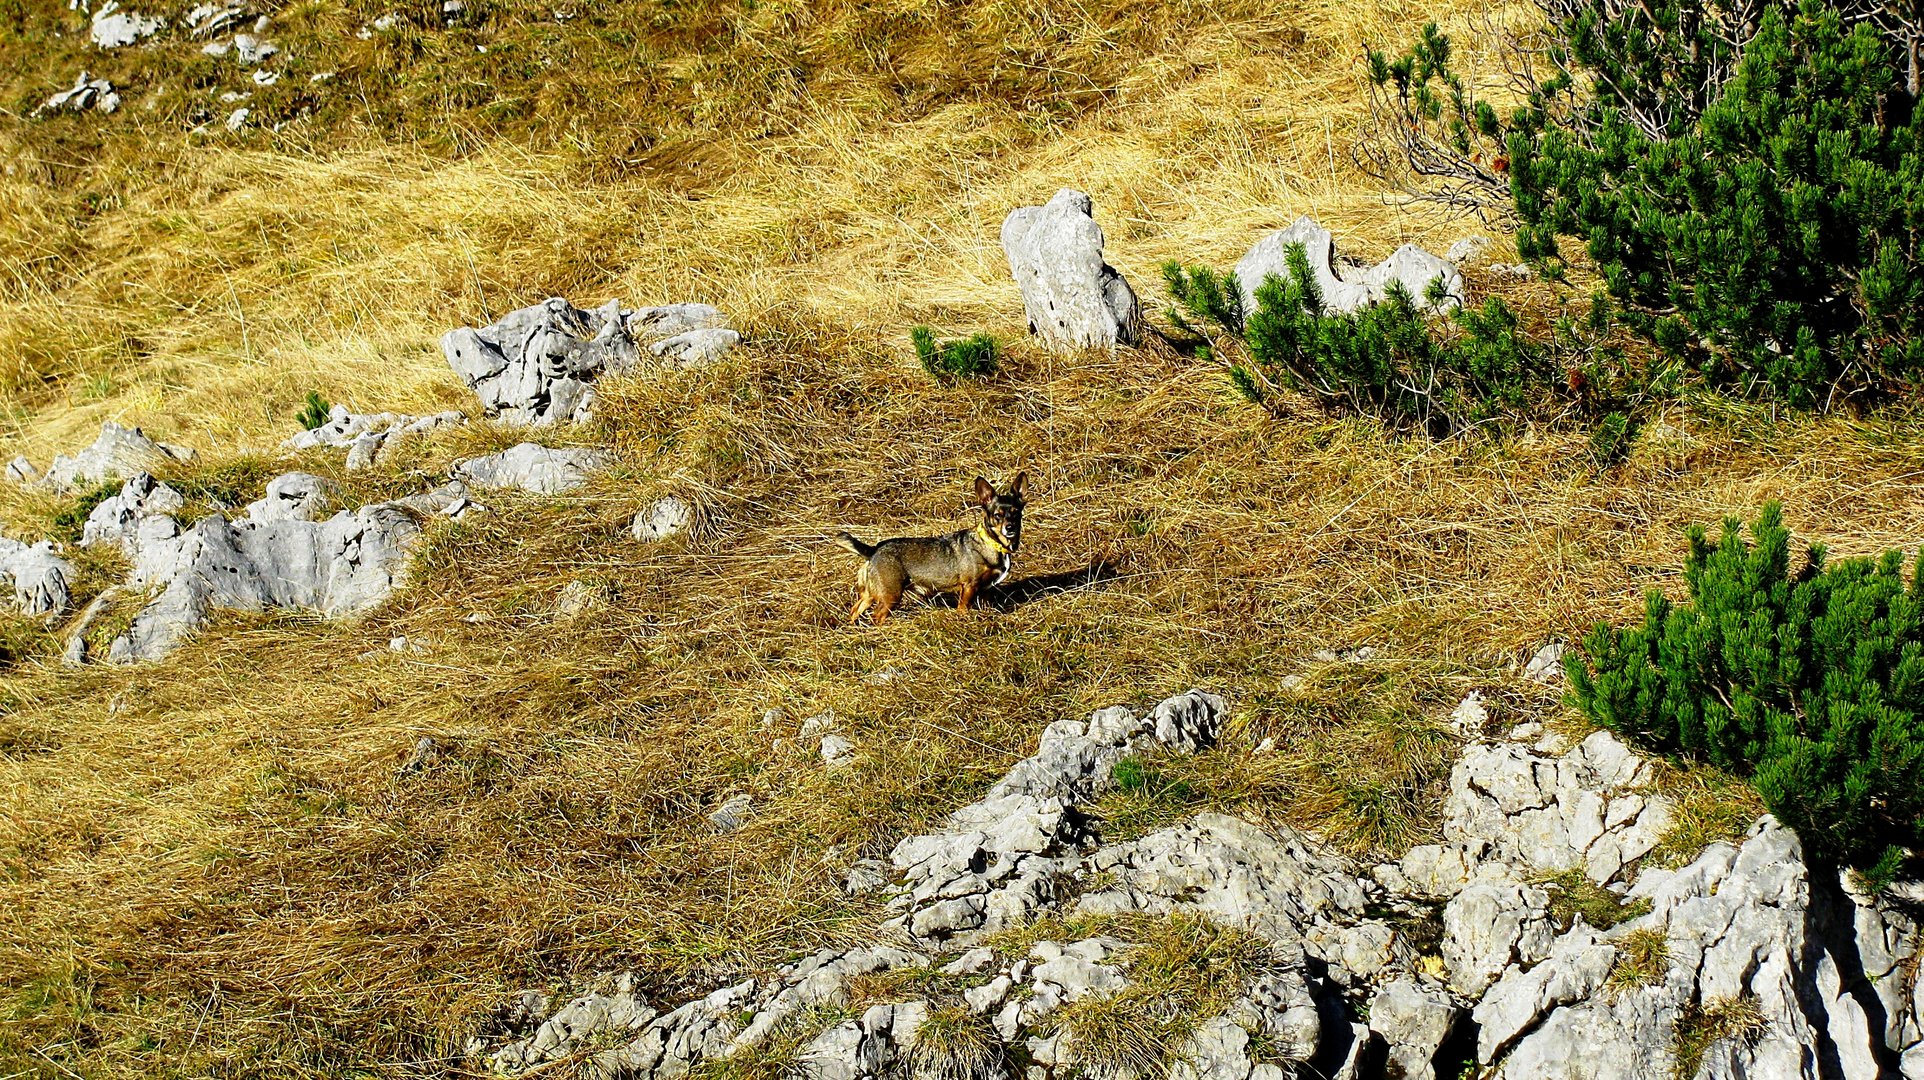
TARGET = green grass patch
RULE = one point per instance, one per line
(1572, 894)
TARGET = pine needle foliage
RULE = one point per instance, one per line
(315, 411)
(1203, 296)
(1809, 681)
(962, 358)
(1387, 361)
(1745, 180)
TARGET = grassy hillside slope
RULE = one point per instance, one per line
(210, 866)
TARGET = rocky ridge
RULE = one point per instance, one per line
(1456, 956)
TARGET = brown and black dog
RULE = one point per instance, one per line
(962, 562)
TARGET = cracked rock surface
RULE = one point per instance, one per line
(1074, 299)
(1820, 982)
(342, 566)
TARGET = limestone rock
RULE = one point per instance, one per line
(86, 93)
(1409, 265)
(1413, 1022)
(1235, 872)
(733, 813)
(37, 575)
(997, 862)
(340, 567)
(115, 27)
(252, 49)
(662, 519)
(1546, 666)
(116, 453)
(1074, 299)
(367, 435)
(295, 496)
(538, 365)
(534, 468)
(696, 348)
(208, 19)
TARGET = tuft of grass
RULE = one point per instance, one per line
(952, 1043)
(69, 519)
(963, 358)
(1145, 799)
(1707, 806)
(1643, 956)
(1572, 895)
(1182, 971)
(1737, 1019)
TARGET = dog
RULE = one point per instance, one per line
(962, 562)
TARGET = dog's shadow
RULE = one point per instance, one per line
(1027, 590)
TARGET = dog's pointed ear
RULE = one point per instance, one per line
(984, 493)
(1016, 487)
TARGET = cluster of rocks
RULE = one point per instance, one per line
(281, 554)
(538, 365)
(87, 94)
(116, 452)
(1456, 955)
(366, 436)
(1076, 300)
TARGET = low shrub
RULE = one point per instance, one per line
(964, 358)
(1807, 680)
(314, 411)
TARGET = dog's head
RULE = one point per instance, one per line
(1002, 514)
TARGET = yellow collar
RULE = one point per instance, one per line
(982, 532)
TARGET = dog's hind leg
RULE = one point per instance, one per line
(862, 603)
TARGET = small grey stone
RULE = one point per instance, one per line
(662, 519)
(732, 814)
(836, 750)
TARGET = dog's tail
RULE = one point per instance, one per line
(848, 541)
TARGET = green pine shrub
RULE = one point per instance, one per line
(1753, 208)
(1807, 680)
(963, 358)
(314, 411)
(1203, 296)
(1387, 361)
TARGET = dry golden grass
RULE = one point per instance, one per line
(211, 867)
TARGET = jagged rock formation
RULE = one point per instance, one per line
(367, 435)
(342, 566)
(1357, 288)
(118, 452)
(38, 576)
(532, 467)
(86, 93)
(538, 365)
(1764, 968)
(1074, 299)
